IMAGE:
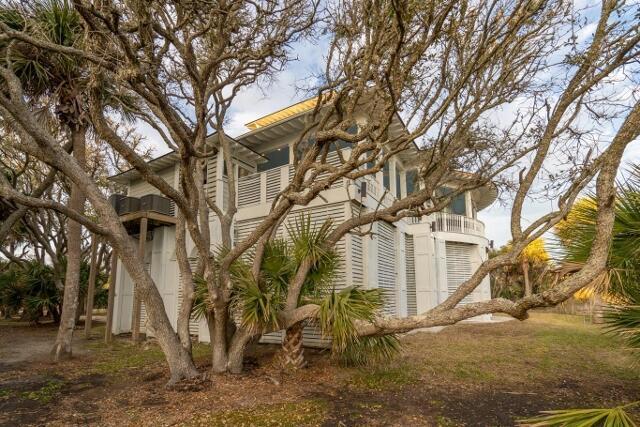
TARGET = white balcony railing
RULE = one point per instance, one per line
(453, 223)
(263, 187)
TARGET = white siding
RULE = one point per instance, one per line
(141, 188)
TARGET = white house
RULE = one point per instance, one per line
(416, 262)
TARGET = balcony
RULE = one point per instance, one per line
(154, 209)
(452, 223)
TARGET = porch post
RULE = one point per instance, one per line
(91, 286)
(108, 334)
(137, 302)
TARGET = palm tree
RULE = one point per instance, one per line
(258, 302)
(620, 283)
(60, 80)
(621, 280)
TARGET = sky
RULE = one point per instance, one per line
(255, 102)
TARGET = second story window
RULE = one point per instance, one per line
(457, 205)
(398, 181)
(386, 181)
(275, 158)
(412, 181)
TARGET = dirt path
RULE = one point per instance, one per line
(21, 342)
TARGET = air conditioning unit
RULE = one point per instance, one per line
(128, 205)
(155, 203)
(115, 200)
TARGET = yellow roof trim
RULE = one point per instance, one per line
(285, 113)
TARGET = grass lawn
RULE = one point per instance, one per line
(469, 374)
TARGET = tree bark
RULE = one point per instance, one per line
(137, 301)
(62, 346)
(528, 290)
(292, 355)
(91, 286)
(219, 355)
(186, 283)
(236, 350)
(108, 333)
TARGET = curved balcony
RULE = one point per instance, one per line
(452, 223)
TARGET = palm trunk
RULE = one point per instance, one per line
(62, 346)
(292, 355)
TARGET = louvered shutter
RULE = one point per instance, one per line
(412, 307)
(458, 266)
(387, 266)
(312, 335)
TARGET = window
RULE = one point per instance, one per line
(385, 176)
(457, 205)
(398, 182)
(204, 174)
(412, 181)
(275, 158)
(243, 172)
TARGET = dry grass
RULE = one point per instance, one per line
(470, 374)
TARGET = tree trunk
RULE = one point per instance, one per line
(528, 290)
(186, 283)
(62, 346)
(236, 350)
(292, 355)
(79, 309)
(91, 287)
(219, 341)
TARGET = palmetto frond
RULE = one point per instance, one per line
(338, 314)
(604, 417)
(308, 240)
(575, 236)
(278, 267)
(625, 322)
(259, 307)
(370, 350)
(200, 305)
(56, 21)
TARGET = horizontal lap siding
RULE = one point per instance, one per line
(139, 188)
